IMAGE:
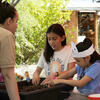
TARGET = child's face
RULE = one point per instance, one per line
(83, 62)
(54, 41)
(13, 24)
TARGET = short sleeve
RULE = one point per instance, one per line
(40, 62)
(71, 59)
(94, 71)
(7, 51)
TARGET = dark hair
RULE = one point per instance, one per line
(6, 11)
(59, 30)
(84, 46)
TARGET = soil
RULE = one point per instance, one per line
(25, 86)
(28, 86)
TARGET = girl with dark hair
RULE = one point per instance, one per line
(56, 57)
(87, 69)
(8, 25)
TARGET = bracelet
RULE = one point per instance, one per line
(57, 74)
(53, 77)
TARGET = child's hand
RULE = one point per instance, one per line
(36, 80)
(49, 83)
(52, 76)
(52, 82)
(46, 80)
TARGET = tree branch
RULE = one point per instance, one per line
(14, 2)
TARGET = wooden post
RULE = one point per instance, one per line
(96, 31)
(72, 26)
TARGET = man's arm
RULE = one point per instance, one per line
(10, 82)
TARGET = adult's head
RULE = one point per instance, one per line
(8, 16)
(55, 40)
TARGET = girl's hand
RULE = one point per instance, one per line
(52, 82)
(48, 78)
(36, 80)
(49, 82)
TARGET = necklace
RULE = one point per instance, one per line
(82, 74)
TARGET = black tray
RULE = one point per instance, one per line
(53, 93)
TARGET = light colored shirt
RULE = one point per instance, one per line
(7, 49)
(59, 62)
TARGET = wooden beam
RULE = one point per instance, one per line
(96, 31)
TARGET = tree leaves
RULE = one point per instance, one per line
(35, 16)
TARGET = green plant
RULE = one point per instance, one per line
(35, 16)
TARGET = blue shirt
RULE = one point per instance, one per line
(93, 72)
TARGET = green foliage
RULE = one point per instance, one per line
(35, 16)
